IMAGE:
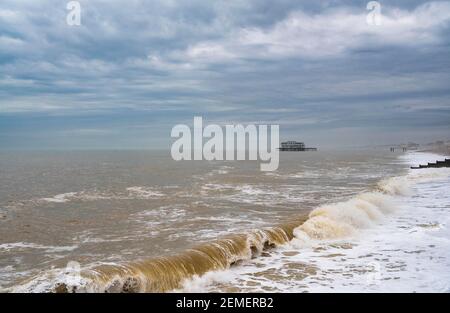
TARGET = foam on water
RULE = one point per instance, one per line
(144, 192)
(394, 239)
(130, 193)
(28, 245)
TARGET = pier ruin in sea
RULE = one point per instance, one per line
(294, 146)
(445, 163)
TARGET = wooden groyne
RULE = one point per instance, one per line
(437, 164)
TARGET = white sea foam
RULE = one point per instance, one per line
(134, 192)
(78, 196)
(60, 198)
(394, 239)
(29, 245)
(142, 192)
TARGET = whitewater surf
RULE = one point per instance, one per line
(370, 242)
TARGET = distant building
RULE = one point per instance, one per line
(413, 146)
(294, 146)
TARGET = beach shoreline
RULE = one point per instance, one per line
(443, 150)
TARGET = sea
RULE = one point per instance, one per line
(137, 221)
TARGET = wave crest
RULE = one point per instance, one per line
(162, 274)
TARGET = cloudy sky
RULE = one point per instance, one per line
(135, 68)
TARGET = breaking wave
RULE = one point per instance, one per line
(166, 273)
(330, 221)
(345, 218)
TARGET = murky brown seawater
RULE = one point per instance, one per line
(129, 207)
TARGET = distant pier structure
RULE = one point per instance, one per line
(404, 149)
(294, 146)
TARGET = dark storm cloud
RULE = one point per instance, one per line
(307, 65)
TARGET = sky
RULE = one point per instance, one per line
(134, 69)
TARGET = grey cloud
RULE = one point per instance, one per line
(302, 64)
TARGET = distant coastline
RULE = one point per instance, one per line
(443, 149)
